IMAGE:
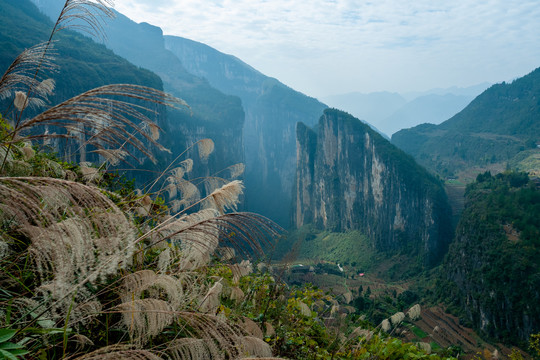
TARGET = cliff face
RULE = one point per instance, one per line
(272, 111)
(349, 177)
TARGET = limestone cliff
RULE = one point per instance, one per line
(349, 177)
(272, 110)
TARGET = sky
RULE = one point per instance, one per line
(328, 47)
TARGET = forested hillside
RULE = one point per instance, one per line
(492, 129)
(492, 272)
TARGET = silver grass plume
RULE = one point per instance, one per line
(397, 318)
(102, 118)
(210, 303)
(21, 74)
(426, 347)
(146, 318)
(205, 147)
(385, 325)
(192, 247)
(179, 290)
(304, 309)
(21, 100)
(112, 156)
(213, 183)
(414, 312)
(236, 170)
(240, 270)
(197, 235)
(226, 197)
(193, 349)
(84, 15)
(251, 328)
(42, 90)
(254, 347)
(213, 328)
(67, 222)
(177, 174)
(119, 352)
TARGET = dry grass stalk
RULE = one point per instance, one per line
(226, 197)
(254, 347)
(21, 74)
(414, 312)
(146, 318)
(193, 349)
(205, 147)
(117, 352)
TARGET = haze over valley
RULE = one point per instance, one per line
(287, 180)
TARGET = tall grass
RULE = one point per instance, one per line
(91, 274)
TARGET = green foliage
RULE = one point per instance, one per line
(493, 128)
(493, 261)
(344, 248)
(10, 350)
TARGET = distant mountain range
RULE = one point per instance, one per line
(390, 112)
(500, 123)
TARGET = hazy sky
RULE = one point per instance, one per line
(325, 47)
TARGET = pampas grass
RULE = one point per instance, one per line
(89, 260)
(414, 312)
(146, 318)
(225, 197)
(205, 147)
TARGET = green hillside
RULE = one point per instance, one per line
(83, 64)
(501, 122)
(492, 271)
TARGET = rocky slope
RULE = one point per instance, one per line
(272, 111)
(349, 177)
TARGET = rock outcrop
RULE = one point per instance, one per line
(350, 177)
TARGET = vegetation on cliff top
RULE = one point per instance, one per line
(492, 273)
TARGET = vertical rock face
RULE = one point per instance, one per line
(272, 111)
(349, 177)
